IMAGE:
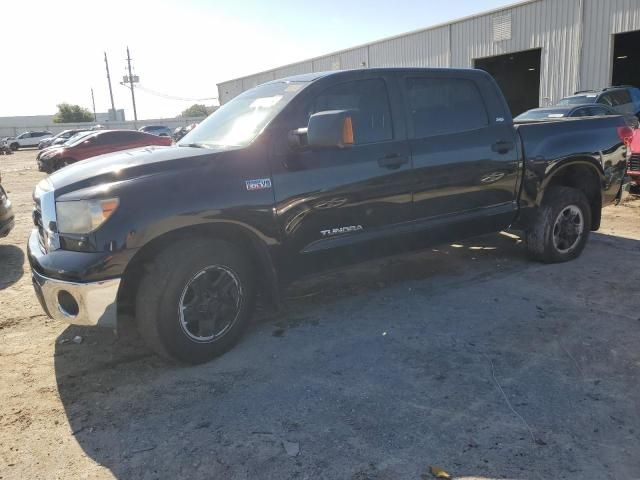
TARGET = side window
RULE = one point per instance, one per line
(132, 136)
(104, 139)
(581, 112)
(616, 98)
(369, 103)
(117, 138)
(444, 105)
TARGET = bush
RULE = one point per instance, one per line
(68, 113)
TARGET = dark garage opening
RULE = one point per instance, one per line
(518, 74)
(626, 59)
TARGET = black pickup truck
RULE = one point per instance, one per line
(303, 174)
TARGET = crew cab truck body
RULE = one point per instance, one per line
(303, 174)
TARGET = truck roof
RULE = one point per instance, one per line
(310, 77)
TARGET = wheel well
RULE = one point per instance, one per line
(585, 178)
(239, 236)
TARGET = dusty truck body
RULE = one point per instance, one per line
(303, 174)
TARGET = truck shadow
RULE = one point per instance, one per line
(11, 262)
(332, 388)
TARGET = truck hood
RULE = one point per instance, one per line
(126, 165)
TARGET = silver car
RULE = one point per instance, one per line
(159, 130)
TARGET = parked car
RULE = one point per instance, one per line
(27, 139)
(159, 130)
(59, 138)
(303, 174)
(574, 111)
(94, 144)
(634, 162)
(45, 151)
(180, 132)
(6, 213)
(623, 99)
(4, 147)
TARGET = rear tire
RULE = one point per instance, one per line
(195, 300)
(561, 226)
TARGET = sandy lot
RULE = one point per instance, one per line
(468, 357)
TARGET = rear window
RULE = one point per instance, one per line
(540, 115)
(579, 99)
(444, 105)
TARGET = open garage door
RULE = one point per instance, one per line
(626, 59)
(518, 74)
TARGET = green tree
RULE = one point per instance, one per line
(197, 110)
(68, 113)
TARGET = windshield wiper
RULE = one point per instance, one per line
(194, 145)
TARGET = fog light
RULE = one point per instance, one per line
(68, 305)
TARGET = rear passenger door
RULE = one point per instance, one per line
(464, 154)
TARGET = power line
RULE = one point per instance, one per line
(173, 97)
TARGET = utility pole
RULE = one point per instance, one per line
(133, 95)
(93, 101)
(113, 105)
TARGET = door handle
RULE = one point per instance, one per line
(502, 147)
(392, 161)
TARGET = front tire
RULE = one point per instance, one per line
(195, 300)
(561, 226)
(63, 163)
(14, 146)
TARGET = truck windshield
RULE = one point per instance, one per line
(238, 123)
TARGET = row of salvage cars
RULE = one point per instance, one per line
(74, 146)
(90, 143)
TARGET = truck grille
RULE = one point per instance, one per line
(634, 163)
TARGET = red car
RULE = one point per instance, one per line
(94, 144)
(634, 162)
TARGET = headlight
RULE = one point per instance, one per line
(84, 216)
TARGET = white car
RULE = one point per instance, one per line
(27, 139)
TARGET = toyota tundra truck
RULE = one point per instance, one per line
(303, 174)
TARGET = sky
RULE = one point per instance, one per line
(183, 48)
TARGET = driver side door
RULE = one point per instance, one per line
(333, 204)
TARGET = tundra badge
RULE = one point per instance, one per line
(339, 230)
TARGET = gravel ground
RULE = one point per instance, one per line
(464, 356)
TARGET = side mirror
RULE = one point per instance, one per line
(330, 129)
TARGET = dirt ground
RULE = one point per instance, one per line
(465, 356)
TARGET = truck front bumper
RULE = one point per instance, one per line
(92, 304)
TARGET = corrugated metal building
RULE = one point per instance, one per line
(538, 50)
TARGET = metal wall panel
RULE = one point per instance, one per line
(552, 25)
(228, 90)
(346, 60)
(428, 48)
(576, 38)
(602, 19)
(294, 69)
(257, 79)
